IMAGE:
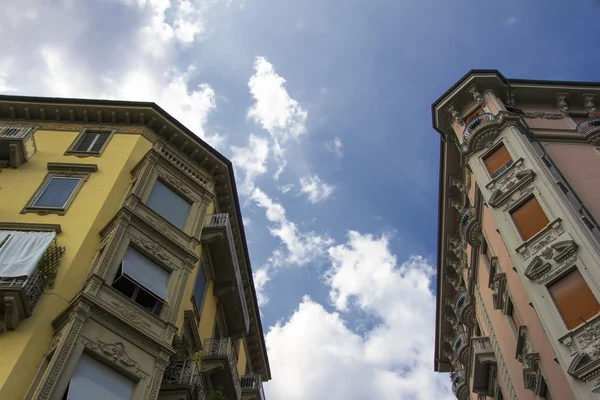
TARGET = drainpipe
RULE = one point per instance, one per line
(585, 214)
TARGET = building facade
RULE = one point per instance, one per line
(519, 241)
(124, 269)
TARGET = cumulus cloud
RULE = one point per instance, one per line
(298, 247)
(59, 63)
(252, 159)
(315, 189)
(275, 110)
(335, 146)
(391, 361)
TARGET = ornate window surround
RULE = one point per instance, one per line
(193, 184)
(129, 229)
(71, 151)
(492, 148)
(81, 171)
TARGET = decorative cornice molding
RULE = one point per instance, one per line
(117, 353)
(546, 236)
(73, 168)
(511, 184)
(30, 227)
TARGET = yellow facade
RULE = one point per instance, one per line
(32, 365)
(99, 199)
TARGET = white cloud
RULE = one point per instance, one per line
(274, 109)
(315, 189)
(392, 361)
(57, 65)
(252, 160)
(286, 188)
(261, 276)
(335, 146)
(511, 20)
(300, 247)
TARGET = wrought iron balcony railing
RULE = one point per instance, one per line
(224, 347)
(459, 384)
(19, 295)
(253, 382)
(467, 214)
(222, 221)
(461, 302)
(584, 127)
(475, 123)
(185, 373)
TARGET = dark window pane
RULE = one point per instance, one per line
(57, 192)
(148, 301)
(92, 142)
(124, 284)
(169, 204)
(199, 288)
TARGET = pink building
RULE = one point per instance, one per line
(518, 241)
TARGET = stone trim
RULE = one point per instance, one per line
(30, 227)
(81, 171)
(552, 262)
(502, 368)
(541, 239)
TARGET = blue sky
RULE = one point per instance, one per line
(324, 107)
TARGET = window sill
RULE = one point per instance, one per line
(81, 154)
(535, 243)
(44, 210)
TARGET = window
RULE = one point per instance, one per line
(497, 161)
(529, 218)
(574, 299)
(200, 289)
(59, 188)
(142, 280)
(57, 192)
(90, 142)
(512, 313)
(485, 250)
(94, 380)
(168, 204)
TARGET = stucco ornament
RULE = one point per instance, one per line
(588, 104)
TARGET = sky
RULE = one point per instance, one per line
(324, 108)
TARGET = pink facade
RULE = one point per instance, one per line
(500, 330)
(580, 165)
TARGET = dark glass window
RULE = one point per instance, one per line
(92, 142)
(57, 192)
(169, 204)
(200, 289)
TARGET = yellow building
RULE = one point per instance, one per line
(124, 269)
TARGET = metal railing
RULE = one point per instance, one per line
(14, 132)
(459, 341)
(44, 274)
(185, 372)
(461, 302)
(586, 126)
(222, 221)
(464, 221)
(478, 121)
(253, 382)
(224, 347)
(457, 378)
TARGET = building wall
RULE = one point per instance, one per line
(505, 330)
(97, 201)
(580, 165)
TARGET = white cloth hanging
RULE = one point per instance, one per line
(20, 252)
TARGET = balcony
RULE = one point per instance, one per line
(252, 388)
(28, 263)
(476, 123)
(460, 386)
(220, 367)
(461, 347)
(183, 381)
(484, 366)
(228, 279)
(464, 309)
(17, 145)
(588, 126)
(470, 227)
